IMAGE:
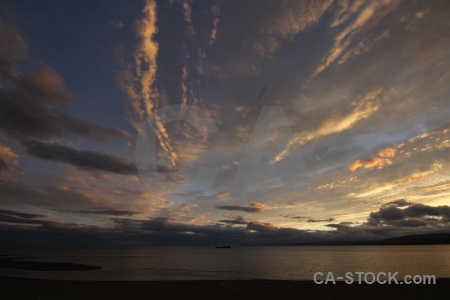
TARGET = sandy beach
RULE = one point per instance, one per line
(17, 288)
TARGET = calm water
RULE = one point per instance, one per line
(190, 263)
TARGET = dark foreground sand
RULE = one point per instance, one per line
(16, 288)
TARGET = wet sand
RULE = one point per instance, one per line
(17, 288)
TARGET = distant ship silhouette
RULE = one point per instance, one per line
(221, 247)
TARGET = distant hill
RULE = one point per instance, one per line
(420, 239)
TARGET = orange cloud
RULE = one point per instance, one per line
(261, 226)
(387, 152)
(370, 163)
(8, 161)
(419, 175)
(415, 177)
(258, 206)
(383, 158)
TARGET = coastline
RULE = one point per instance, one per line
(14, 263)
(21, 288)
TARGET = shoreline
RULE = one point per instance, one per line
(25, 288)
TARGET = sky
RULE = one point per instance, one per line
(128, 123)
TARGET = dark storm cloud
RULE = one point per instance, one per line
(261, 226)
(3, 165)
(19, 219)
(342, 225)
(82, 159)
(320, 220)
(165, 224)
(398, 203)
(19, 214)
(254, 207)
(251, 225)
(337, 226)
(389, 213)
(421, 210)
(236, 221)
(295, 217)
(28, 109)
(55, 195)
(105, 211)
(31, 106)
(414, 215)
(309, 219)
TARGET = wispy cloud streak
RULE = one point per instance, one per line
(215, 11)
(187, 15)
(141, 87)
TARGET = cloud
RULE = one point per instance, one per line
(331, 133)
(139, 83)
(3, 165)
(263, 30)
(341, 225)
(365, 46)
(320, 220)
(308, 219)
(215, 11)
(367, 18)
(28, 108)
(146, 55)
(387, 152)
(251, 225)
(11, 218)
(369, 163)
(9, 163)
(417, 175)
(261, 226)
(30, 103)
(384, 158)
(398, 203)
(364, 109)
(254, 207)
(389, 221)
(345, 10)
(59, 194)
(412, 215)
(285, 22)
(236, 221)
(82, 159)
(19, 214)
(116, 23)
(295, 217)
(158, 224)
(187, 15)
(104, 211)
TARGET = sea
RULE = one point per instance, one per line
(237, 263)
